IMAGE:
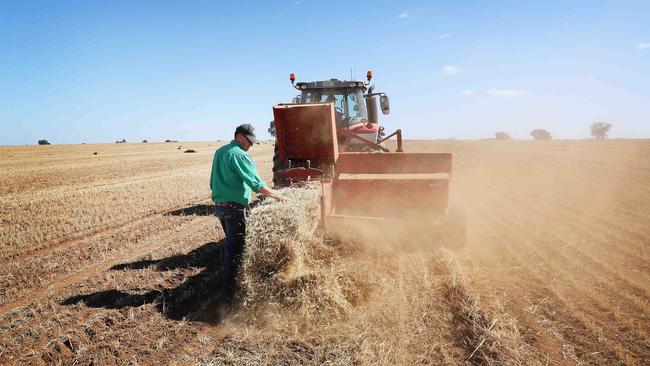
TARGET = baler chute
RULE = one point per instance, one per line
(386, 195)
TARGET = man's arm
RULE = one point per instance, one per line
(266, 191)
(211, 175)
(246, 169)
(214, 163)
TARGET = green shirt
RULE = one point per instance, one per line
(234, 175)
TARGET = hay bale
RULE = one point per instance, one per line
(285, 266)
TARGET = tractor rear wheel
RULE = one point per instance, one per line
(277, 165)
(455, 228)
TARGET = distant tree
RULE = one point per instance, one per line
(168, 140)
(540, 134)
(500, 135)
(43, 142)
(144, 141)
(272, 128)
(599, 130)
(123, 141)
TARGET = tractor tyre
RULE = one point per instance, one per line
(455, 228)
(277, 165)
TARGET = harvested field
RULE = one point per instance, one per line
(113, 258)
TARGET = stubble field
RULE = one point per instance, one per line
(113, 258)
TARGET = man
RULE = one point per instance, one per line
(233, 178)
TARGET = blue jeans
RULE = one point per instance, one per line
(233, 222)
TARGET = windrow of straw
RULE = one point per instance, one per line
(487, 332)
(421, 310)
(308, 302)
(287, 268)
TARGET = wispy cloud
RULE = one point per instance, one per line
(404, 14)
(508, 93)
(467, 93)
(643, 46)
(450, 70)
(446, 35)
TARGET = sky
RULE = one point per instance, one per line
(101, 71)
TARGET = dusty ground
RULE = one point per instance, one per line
(113, 259)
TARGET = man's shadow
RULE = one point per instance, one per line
(198, 298)
(206, 209)
(195, 210)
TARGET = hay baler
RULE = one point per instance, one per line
(367, 191)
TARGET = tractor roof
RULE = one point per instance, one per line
(331, 84)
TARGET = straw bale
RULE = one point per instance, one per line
(287, 267)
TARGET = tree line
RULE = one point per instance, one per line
(599, 130)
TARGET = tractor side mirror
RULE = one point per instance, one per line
(384, 104)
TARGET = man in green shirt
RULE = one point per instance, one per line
(233, 177)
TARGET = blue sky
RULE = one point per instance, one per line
(100, 71)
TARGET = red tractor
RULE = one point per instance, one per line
(331, 134)
(355, 114)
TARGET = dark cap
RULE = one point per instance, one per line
(249, 131)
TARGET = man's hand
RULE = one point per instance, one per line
(266, 191)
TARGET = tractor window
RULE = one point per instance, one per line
(326, 96)
(353, 105)
(348, 103)
(338, 100)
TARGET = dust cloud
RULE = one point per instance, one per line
(545, 219)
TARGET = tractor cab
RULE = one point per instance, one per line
(355, 110)
(354, 101)
(347, 96)
(355, 123)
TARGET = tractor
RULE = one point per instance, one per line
(356, 116)
(330, 134)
